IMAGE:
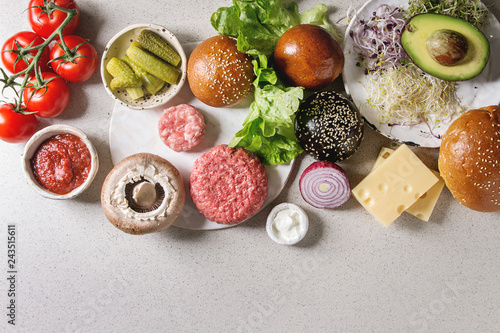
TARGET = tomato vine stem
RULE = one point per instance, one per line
(24, 54)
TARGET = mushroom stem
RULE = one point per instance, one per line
(144, 194)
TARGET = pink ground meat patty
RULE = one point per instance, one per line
(181, 127)
(228, 185)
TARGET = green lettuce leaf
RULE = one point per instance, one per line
(258, 24)
(268, 130)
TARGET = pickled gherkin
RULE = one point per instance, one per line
(123, 75)
(153, 65)
(135, 93)
(150, 41)
(151, 83)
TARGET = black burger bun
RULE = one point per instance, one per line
(328, 126)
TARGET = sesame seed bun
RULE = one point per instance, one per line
(329, 126)
(469, 159)
(218, 74)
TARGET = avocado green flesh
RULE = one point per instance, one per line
(421, 26)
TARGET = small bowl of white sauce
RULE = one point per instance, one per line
(287, 224)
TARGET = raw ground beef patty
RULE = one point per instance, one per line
(228, 185)
(181, 127)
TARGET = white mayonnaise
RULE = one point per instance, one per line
(287, 224)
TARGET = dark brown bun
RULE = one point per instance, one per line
(469, 159)
(218, 74)
(308, 56)
(130, 215)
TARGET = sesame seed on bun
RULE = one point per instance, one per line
(218, 74)
(329, 126)
(469, 159)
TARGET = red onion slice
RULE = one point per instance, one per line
(325, 185)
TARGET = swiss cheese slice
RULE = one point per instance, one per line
(423, 207)
(394, 185)
(382, 156)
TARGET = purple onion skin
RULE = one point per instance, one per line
(337, 201)
(323, 164)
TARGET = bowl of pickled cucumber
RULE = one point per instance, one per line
(143, 66)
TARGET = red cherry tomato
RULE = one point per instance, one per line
(50, 100)
(44, 24)
(16, 127)
(12, 62)
(83, 62)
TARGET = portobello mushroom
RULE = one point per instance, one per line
(144, 193)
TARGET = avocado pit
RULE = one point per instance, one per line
(447, 47)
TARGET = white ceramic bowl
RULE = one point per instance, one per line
(288, 237)
(117, 47)
(37, 139)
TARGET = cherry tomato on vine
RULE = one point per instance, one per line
(78, 66)
(44, 22)
(16, 127)
(12, 61)
(50, 100)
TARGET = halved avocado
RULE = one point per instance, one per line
(446, 47)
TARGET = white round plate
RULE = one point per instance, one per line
(480, 91)
(133, 131)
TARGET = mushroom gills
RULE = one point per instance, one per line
(135, 196)
(143, 196)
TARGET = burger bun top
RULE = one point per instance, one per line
(218, 74)
(469, 159)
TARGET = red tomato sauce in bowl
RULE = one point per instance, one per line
(61, 163)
